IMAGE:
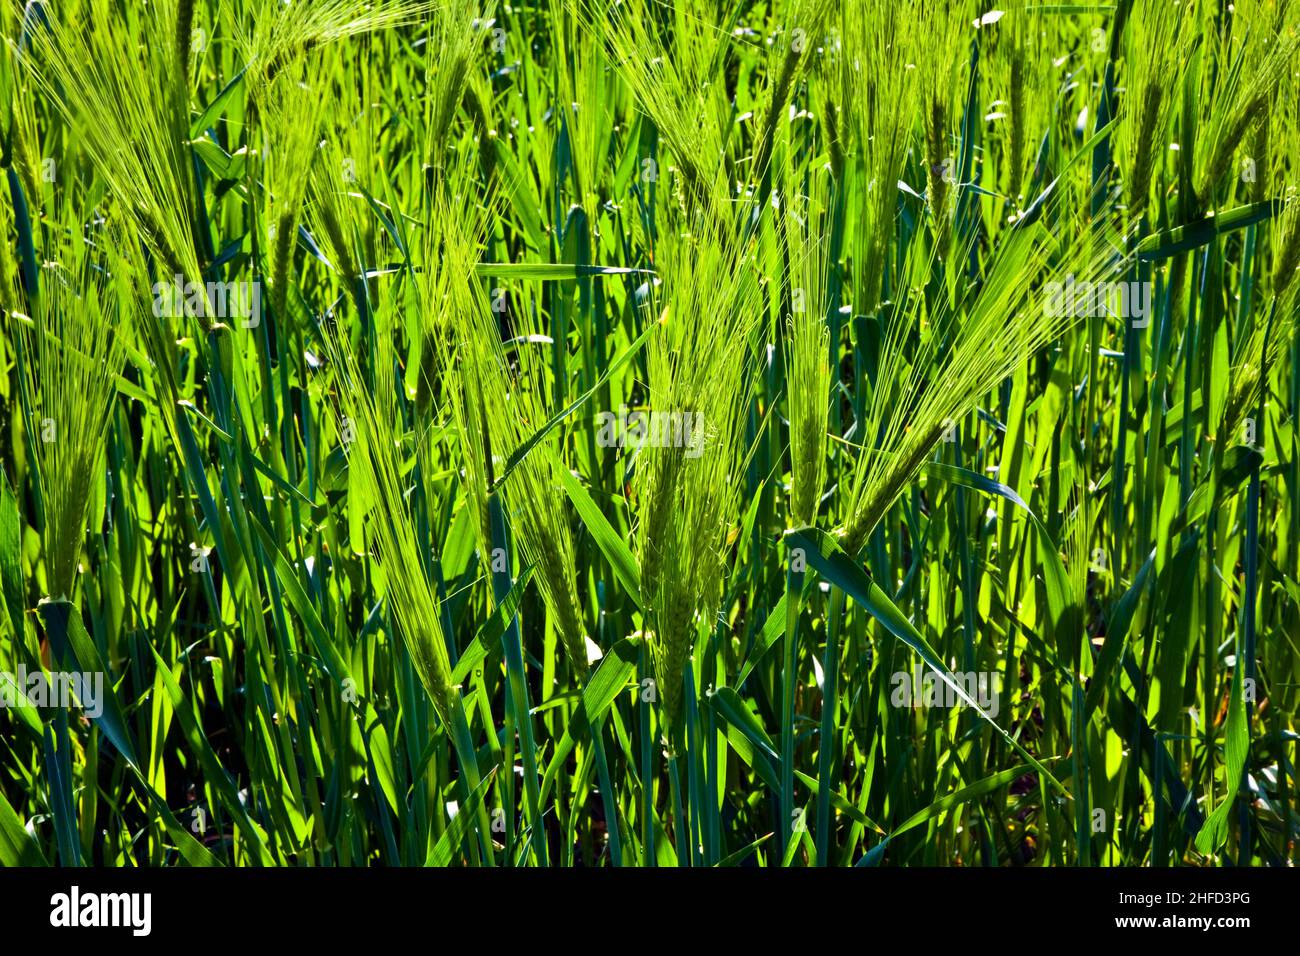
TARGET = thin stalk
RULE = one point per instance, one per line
(501, 584)
(789, 680)
(826, 744)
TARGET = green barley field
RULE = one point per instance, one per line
(620, 434)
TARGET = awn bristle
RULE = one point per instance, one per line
(809, 373)
(696, 364)
(70, 372)
(377, 462)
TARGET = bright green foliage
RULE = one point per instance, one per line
(671, 433)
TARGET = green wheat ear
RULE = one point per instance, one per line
(452, 361)
(934, 369)
(1156, 45)
(808, 226)
(453, 42)
(378, 462)
(498, 400)
(696, 364)
(680, 84)
(282, 32)
(112, 92)
(288, 109)
(1244, 73)
(70, 363)
(1025, 79)
(1270, 337)
(877, 92)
